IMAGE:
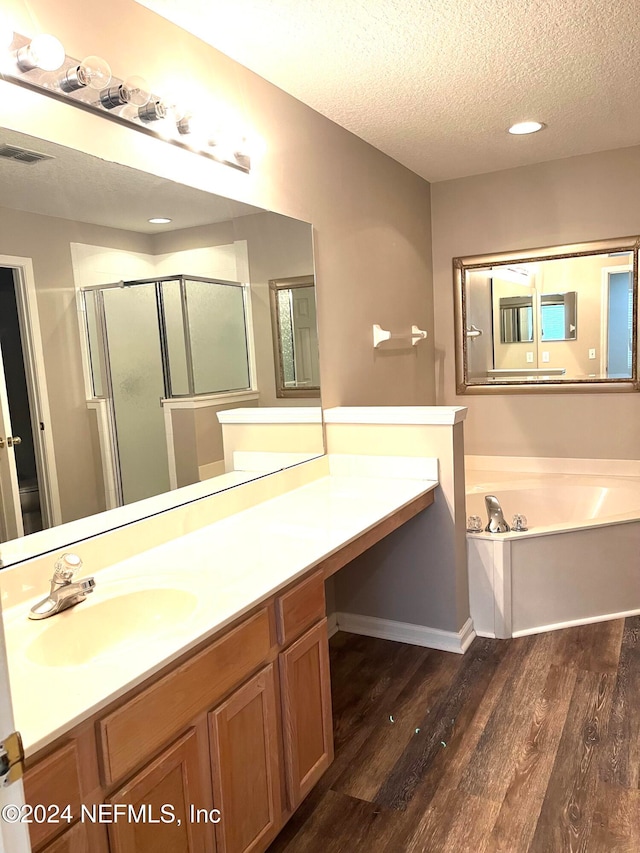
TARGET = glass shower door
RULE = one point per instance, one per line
(137, 382)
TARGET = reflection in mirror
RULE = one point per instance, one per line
(295, 336)
(189, 339)
(517, 318)
(558, 321)
(130, 337)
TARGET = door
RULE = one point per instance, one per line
(246, 768)
(480, 321)
(10, 512)
(159, 801)
(620, 325)
(134, 356)
(305, 334)
(306, 707)
(14, 837)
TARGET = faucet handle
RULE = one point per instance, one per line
(66, 568)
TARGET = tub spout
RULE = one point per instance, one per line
(496, 524)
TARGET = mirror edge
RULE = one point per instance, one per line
(542, 386)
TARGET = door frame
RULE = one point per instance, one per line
(33, 356)
(14, 837)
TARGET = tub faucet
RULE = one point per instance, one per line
(496, 524)
(64, 593)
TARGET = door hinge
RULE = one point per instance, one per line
(11, 759)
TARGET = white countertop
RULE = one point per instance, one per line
(179, 594)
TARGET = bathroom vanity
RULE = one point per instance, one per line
(242, 725)
(228, 709)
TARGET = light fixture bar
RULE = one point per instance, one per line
(108, 104)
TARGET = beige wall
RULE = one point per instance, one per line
(566, 201)
(197, 439)
(371, 215)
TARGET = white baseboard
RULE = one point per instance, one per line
(588, 620)
(332, 624)
(404, 632)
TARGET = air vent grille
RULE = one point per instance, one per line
(22, 155)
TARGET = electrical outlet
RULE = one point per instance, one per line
(529, 358)
(545, 356)
(592, 353)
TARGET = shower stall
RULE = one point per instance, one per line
(154, 340)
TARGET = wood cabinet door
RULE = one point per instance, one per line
(246, 766)
(74, 840)
(158, 802)
(306, 709)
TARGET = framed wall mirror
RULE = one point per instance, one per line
(295, 336)
(123, 338)
(559, 318)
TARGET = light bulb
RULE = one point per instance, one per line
(93, 73)
(44, 51)
(152, 111)
(138, 91)
(195, 129)
(134, 90)
(242, 147)
(6, 32)
(223, 142)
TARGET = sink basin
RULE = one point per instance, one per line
(89, 631)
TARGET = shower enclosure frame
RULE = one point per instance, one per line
(103, 351)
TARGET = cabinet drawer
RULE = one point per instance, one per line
(299, 608)
(135, 731)
(54, 781)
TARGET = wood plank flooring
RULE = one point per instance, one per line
(519, 746)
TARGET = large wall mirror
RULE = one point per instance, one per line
(559, 318)
(123, 338)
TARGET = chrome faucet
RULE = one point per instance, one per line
(496, 524)
(64, 593)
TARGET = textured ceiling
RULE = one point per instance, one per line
(435, 83)
(77, 186)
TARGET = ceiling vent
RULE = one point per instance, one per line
(22, 155)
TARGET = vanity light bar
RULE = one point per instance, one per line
(128, 102)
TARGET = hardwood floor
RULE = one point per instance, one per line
(519, 746)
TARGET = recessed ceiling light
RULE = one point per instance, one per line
(523, 127)
(159, 220)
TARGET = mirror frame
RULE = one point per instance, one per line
(275, 286)
(462, 265)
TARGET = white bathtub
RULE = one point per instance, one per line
(579, 561)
